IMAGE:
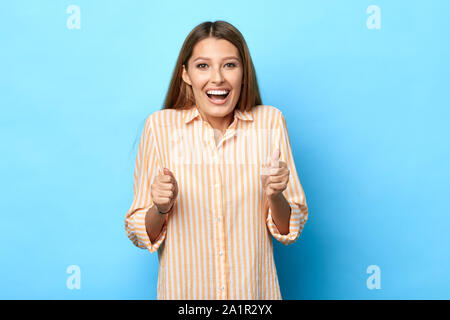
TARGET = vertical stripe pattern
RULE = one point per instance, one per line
(217, 241)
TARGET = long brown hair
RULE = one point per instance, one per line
(180, 94)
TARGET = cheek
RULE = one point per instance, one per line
(199, 81)
(236, 80)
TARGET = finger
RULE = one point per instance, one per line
(266, 171)
(169, 173)
(282, 164)
(277, 171)
(167, 186)
(172, 177)
(278, 186)
(162, 174)
(165, 179)
(164, 193)
(161, 200)
(277, 179)
(274, 160)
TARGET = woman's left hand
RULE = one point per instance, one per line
(275, 176)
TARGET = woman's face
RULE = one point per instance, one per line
(215, 65)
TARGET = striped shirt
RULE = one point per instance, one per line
(216, 243)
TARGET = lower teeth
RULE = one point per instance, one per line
(217, 97)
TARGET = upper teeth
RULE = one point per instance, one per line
(217, 91)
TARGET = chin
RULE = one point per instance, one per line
(218, 110)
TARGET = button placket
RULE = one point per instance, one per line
(221, 259)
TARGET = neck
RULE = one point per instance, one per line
(218, 123)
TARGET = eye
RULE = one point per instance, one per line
(231, 63)
(201, 64)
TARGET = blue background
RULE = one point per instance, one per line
(367, 114)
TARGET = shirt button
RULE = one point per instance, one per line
(220, 253)
(217, 185)
(218, 219)
(222, 288)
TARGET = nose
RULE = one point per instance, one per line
(217, 76)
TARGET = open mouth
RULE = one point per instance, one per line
(218, 96)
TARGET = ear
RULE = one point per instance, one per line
(185, 76)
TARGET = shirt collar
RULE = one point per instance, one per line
(193, 113)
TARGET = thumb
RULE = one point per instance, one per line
(274, 160)
(168, 172)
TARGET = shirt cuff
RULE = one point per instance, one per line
(297, 221)
(143, 240)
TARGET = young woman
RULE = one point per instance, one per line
(215, 177)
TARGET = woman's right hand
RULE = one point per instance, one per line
(164, 191)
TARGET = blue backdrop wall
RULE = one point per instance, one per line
(362, 86)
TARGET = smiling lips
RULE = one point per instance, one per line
(219, 96)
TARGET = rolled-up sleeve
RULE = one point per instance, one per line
(293, 193)
(146, 168)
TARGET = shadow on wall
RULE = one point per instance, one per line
(305, 267)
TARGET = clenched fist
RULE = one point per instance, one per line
(275, 177)
(164, 191)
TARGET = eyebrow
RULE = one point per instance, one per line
(226, 58)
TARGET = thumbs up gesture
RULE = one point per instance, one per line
(164, 191)
(274, 175)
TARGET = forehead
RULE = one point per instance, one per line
(214, 48)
